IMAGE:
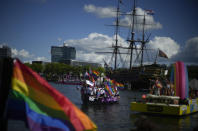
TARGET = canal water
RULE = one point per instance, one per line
(118, 117)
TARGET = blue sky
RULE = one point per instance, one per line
(30, 27)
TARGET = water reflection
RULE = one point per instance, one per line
(167, 122)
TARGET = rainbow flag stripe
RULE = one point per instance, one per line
(44, 108)
(108, 89)
(179, 77)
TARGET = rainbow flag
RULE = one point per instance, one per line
(109, 90)
(92, 79)
(112, 82)
(95, 73)
(120, 85)
(43, 107)
(117, 84)
(158, 84)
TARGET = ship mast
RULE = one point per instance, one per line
(143, 41)
(116, 46)
(132, 42)
(116, 34)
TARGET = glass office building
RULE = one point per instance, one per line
(61, 54)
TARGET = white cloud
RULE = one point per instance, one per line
(109, 12)
(150, 23)
(25, 56)
(103, 12)
(166, 44)
(189, 53)
(95, 42)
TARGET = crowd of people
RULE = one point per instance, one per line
(162, 88)
(98, 92)
(165, 87)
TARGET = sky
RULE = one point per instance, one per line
(31, 27)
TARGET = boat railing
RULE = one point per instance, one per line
(162, 99)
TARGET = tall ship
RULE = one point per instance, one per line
(135, 73)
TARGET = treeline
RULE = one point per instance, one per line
(55, 71)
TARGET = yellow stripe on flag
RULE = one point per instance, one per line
(36, 95)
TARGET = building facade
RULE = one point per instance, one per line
(5, 51)
(61, 54)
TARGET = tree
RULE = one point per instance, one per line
(37, 67)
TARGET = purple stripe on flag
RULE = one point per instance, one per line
(42, 121)
(38, 127)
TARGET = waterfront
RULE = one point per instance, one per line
(118, 117)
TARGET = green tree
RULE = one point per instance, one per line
(37, 67)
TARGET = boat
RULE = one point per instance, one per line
(182, 102)
(98, 94)
(165, 105)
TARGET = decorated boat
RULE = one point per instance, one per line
(181, 103)
(99, 94)
(95, 91)
(166, 105)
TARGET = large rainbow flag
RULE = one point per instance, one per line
(179, 77)
(41, 106)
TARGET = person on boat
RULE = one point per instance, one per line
(159, 86)
(172, 91)
(90, 90)
(154, 88)
(98, 93)
(117, 93)
(168, 84)
(102, 92)
(95, 90)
